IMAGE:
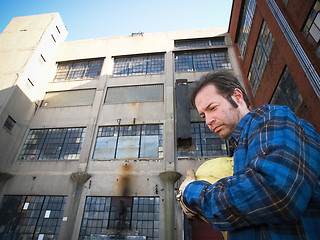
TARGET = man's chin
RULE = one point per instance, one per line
(223, 135)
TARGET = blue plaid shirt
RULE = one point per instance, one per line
(274, 192)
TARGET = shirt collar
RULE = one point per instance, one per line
(235, 136)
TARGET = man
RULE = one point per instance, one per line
(274, 192)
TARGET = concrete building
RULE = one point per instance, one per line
(277, 48)
(97, 133)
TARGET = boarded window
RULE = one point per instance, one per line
(69, 98)
(145, 93)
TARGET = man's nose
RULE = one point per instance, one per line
(210, 119)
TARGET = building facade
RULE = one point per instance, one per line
(97, 134)
(277, 48)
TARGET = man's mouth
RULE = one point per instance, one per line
(216, 129)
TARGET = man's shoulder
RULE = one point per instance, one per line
(268, 111)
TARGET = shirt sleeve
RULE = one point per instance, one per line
(275, 186)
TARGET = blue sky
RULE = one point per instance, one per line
(107, 18)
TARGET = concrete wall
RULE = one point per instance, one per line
(27, 50)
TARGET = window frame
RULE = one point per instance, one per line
(200, 148)
(141, 64)
(132, 138)
(130, 213)
(9, 124)
(294, 100)
(260, 57)
(199, 42)
(61, 143)
(194, 61)
(245, 29)
(78, 70)
(44, 213)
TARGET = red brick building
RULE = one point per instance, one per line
(278, 50)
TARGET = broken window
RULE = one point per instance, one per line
(204, 143)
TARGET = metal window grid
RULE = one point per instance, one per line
(246, 21)
(114, 133)
(286, 92)
(204, 143)
(58, 143)
(31, 217)
(78, 70)
(199, 42)
(108, 215)
(138, 65)
(260, 57)
(202, 60)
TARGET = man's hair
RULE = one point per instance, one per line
(224, 81)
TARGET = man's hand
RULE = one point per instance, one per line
(190, 177)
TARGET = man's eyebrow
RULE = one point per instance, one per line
(208, 106)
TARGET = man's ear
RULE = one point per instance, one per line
(237, 96)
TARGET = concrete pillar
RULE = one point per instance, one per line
(169, 178)
(79, 179)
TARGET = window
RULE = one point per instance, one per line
(9, 123)
(78, 70)
(286, 92)
(69, 98)
(31, 217)
(246, 21)
(312, 27)
(111, 215)
(54, 143)
(204, 143)
(202, 61)
(132, 141)
(145, 93)
(199, 42)
(138, 65)
(260, 57)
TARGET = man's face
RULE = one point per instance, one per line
(220, 116)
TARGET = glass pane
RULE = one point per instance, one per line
(128, 147)
(149, 146)
(145, 93)
(183, 62)
(105, 148)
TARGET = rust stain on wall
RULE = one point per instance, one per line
(124, 180)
